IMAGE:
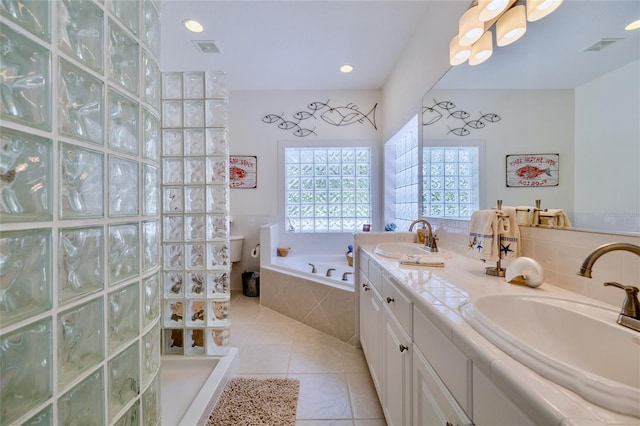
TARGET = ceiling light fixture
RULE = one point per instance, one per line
(346, 68)
(635, 25)
(193, 25)
(474, 40)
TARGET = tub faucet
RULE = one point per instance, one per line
(313, 268)
(345, 277)
(430, 241)
(630, 314)
(329, 271)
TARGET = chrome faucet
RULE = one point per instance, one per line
(329, 271)
(313, 268)
(345, 276)
(430, 241)
(630, 314)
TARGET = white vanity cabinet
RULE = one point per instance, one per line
(396, 355)
(371, 318)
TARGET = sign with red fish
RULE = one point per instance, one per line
(532, 170)
(243, 171)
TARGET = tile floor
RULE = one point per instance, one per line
(335, 385)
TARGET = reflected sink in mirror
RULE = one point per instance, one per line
(575, 344)
(396, 250)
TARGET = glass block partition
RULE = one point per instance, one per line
(195, 214)
(80, 224)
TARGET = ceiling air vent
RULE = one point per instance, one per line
(207, 46)
(601, 44)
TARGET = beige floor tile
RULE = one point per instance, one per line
(313, 358)
(271, 333)
(324, 423)
(373, 422)
(263, 359)
(323, 396)
(354, 360)
(364, 399)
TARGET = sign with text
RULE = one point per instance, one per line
(243, 171)
(532, 170)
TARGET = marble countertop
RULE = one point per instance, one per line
(438, 292)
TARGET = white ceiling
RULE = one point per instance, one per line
(299, 44)
(291, 45)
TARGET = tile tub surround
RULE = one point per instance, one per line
(438, 293)
(327, 309)
(335, 385)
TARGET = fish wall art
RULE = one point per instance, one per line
(462, 124)
(303, 123)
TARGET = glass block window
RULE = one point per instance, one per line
(327, 189)
(450, 181)
(407, 179)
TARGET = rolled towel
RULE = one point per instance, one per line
(525, 215)
(555, 218)
(420, 260)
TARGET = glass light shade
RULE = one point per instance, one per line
(635, 25)
(489, 9)
(458, 54)
(470, 27)
(193, 26)
(481, 50)
(538, 9)
(511, 26)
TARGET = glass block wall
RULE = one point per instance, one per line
(80, 279)
(195, 214)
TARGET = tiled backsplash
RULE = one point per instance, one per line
(561, 252)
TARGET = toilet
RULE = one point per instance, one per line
(236, 248)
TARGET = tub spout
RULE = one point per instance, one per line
(345, 276)
(313, 268)
(329, 271)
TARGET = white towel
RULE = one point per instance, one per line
(510, 239)
(421, 260)
(555, 218)
(484, 229)
(525, 215)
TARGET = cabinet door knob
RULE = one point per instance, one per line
(390, 299)
(365, 286)
(403, 347)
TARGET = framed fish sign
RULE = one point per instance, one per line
(532, 170)
(243, 171)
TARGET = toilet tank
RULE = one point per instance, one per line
(236, 247)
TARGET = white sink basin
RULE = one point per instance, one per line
(396, 250)
(577, 345)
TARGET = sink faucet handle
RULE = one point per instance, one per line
(631, 306)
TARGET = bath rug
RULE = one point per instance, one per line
(256, 402)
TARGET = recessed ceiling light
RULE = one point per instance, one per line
(193, 25)
(633, 26)
(346, 68)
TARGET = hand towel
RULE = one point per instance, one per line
(510, 239)
(420, 260)
(525, 215)
(555, 218)
(484, 229)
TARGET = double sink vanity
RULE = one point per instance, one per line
(452, 346)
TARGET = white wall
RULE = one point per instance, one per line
(531, 122)
(249, 135)
(607, 182)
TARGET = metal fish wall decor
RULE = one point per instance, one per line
(338, 116)
(463, 121)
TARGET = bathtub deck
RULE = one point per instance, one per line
(191, 385)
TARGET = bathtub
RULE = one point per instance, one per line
(299, 266)
(288, 286)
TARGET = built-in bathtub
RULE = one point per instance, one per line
(326, 303)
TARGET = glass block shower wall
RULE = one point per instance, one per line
(195, 214)
(80, 313)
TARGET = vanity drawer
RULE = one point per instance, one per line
(397, 303)
(452, 366)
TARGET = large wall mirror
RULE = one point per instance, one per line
(569, 87)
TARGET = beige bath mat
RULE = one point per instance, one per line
(256, 402)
